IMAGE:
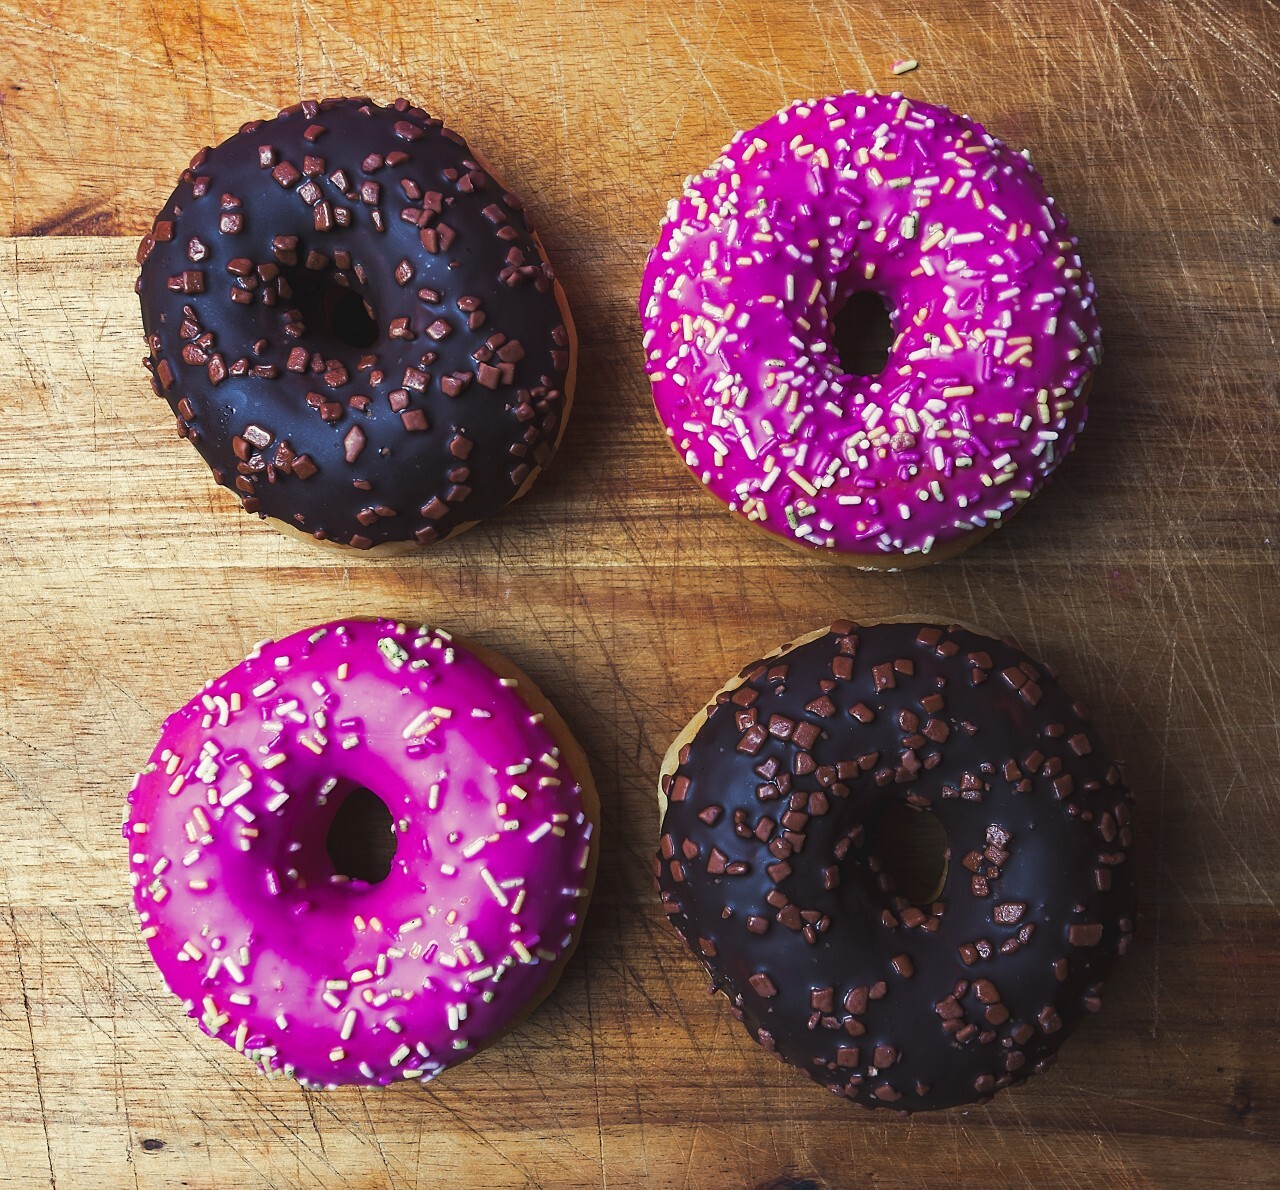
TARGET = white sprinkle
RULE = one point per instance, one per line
(802, 483)
(237, 793)
(494, 888)
(418, 726)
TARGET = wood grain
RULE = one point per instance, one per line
(1148, 574)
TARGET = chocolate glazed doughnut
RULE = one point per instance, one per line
(356, 326)
(767, 865)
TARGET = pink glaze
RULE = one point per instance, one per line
(994, 315)
(331, 980)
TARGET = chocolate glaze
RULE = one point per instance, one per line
(767, 867)
(457, 401)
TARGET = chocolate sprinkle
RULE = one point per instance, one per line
(952, 1000)
(280, 245)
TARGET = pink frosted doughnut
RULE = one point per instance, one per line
(996, 333)
(332, 980)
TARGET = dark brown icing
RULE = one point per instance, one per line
(439, 420)
(766, 863)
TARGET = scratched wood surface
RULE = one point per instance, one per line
(1148, 574)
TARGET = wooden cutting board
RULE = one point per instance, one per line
(1147, 574)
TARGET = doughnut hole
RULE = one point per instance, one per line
(862, 333)
(361, 841)
(348, 317)
(911, 846)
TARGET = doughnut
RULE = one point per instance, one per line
(332, 980)
(985, 387)
(772, 801)
(355, 325)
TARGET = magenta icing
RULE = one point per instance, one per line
(331, 980)
(993, 312)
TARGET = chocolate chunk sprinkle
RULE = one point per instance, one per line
(1009, 913)
(763, 985)
(883, 1057)
(1085, 935)
(353, 443)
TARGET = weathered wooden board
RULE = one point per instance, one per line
(1148, 574)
